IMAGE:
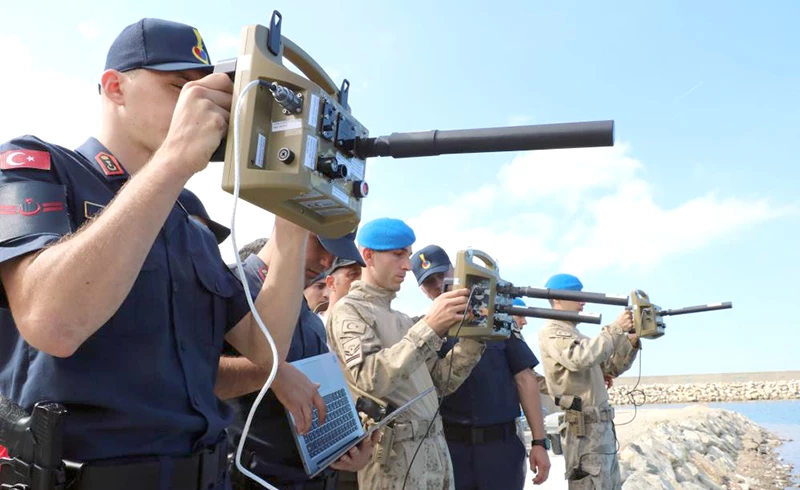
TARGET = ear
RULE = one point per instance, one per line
(329, 281)
(369, 256)
(111, 83)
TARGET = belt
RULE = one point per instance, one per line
(416, 429)
(593, 415)
(466, 434)
(199, 471)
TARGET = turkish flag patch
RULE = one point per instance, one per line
(14, 159)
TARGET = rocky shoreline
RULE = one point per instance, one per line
(702, 448)
(704, 392)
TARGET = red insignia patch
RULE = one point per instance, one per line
(109, 164)
(14, 159)
(262, 273)
(30, 207)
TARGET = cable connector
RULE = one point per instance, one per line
(291, 102)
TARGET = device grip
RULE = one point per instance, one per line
(308, 66)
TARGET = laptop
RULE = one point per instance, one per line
(325, 444)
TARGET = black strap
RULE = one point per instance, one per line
(466, 434)
(199, 471)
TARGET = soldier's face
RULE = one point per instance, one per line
(150, 100)
(318, 260)
(432, 285)
(520, 321)
(344, 277)
(316, 294)
(565, 305)
(390, 267)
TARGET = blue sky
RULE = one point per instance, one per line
(696, 203)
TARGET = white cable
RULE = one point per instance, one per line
(243, 278)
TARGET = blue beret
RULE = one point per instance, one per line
(564, 281)
(385, 234)
(519, 302)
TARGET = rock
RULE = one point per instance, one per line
(646, 481)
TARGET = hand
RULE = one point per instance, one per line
(299, 395)
(540, 464)
(200, 121)
(358, 457)
(609, 380)
(446, 310)
(634, 340)
(625, 320)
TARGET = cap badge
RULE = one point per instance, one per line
(426, 264)
(199, 51)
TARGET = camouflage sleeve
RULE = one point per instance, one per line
(621, 360)
(575, 353)
(373, 367)
(542, 383)
(450, 372)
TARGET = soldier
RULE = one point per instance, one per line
(316, 294)
(480, 417)
(575, 367)
(339, 278)
(115, 299)
(392, 359)
(269, 451)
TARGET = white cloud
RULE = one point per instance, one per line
(566, 176)
(88, 30)
(224, 46)
(54, 106)
(595, 210)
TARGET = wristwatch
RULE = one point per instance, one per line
(545, 443)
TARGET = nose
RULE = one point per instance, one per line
(406, 264)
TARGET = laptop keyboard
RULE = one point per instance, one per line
(338, 423)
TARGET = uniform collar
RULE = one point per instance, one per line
(565, 324)
(372, 292)
(102, 161)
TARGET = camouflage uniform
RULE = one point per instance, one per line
(388, 356)
(574, 365)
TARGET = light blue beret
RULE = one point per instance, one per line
(564, 281)
(385, 234)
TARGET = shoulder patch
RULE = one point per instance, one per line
(561, 334)
(351, 327)
(351, 352)
(108, 164)
(33, 208)
(18, 159)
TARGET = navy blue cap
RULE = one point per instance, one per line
(344, 247)
(429, 260)
(385, 234)
(339, 263)
(158, 44)
(564, 281)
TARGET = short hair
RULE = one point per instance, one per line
(252, 248)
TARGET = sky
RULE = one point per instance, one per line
(696, 202)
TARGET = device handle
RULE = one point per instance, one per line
(308, 66)
(488, 261)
